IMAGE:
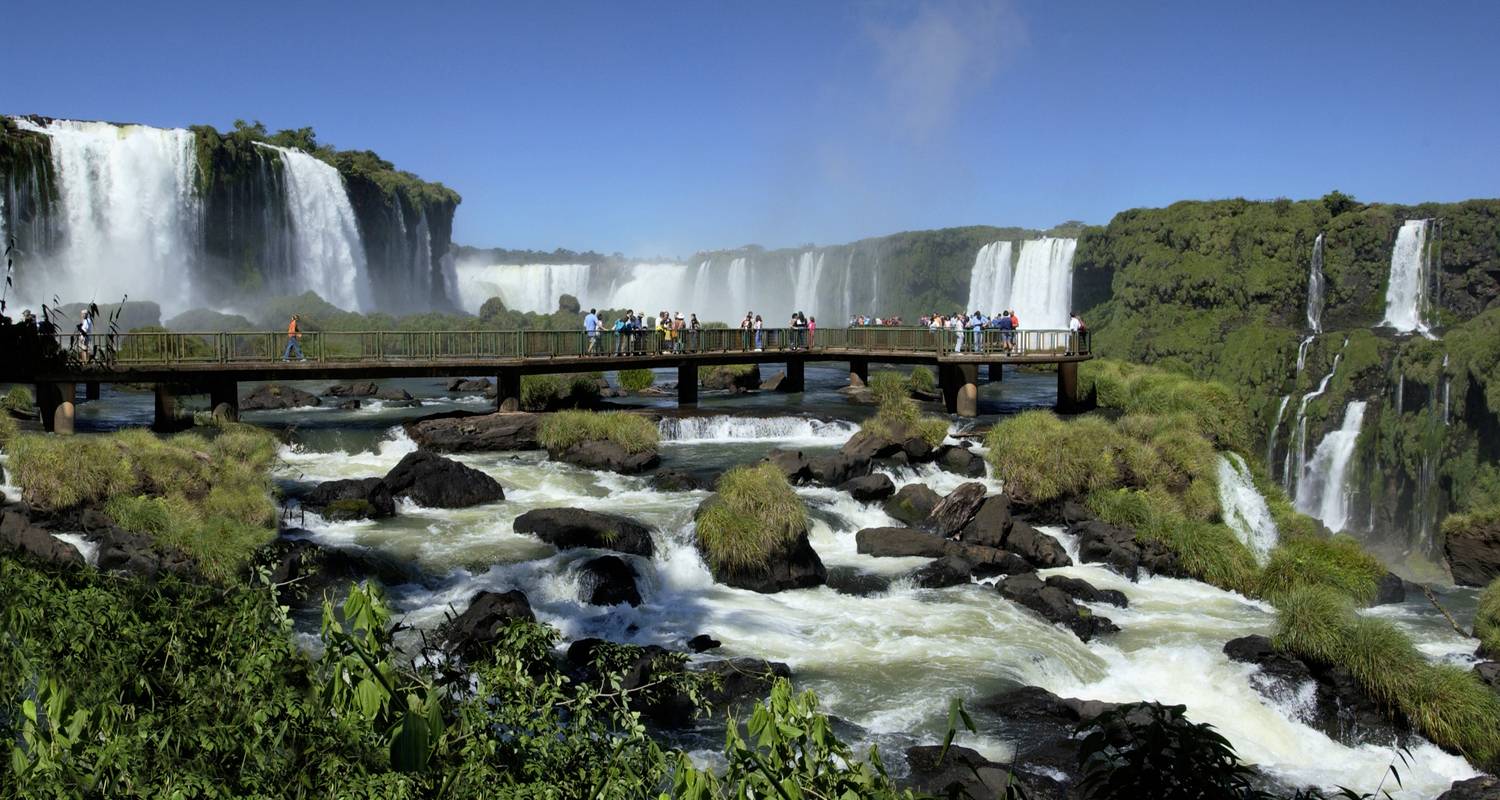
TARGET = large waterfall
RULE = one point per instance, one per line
(990, 279)
(128, 213)
(1406, 300)
(325, 233)
(1323, 491)
(1039, 288)
(1315, 287)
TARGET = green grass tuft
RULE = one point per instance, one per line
(19, 400)
(1208, 551)
(563, 429)
(635, 380)
(1041, 458)
(1336, 563)
(898, 416)
(753, 513)
(8, 429)
(922, 381)
(1210, 408)
(1487, 620)
(541, 392)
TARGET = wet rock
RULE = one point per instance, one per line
(990, 524)
(869, 488)
(1118, 549)
(871, 446)
(999, 562)
(359, 389)
(17, 533)
(676, 480)
(1482, 787)
(1054, 605)
(721, 378)
(348, 405)
(466, 385)
(825, 470)
(1473, 551)
(394, 395)
(797, 568)
(463, 432)
(1489, 672)
(608, 456)
(1035, 705)
(738, 680)
(566, 528)
(856, 582)
(436, 482)
(1326, 697)
(702, 643)
(609, 581)
(137, 554)
(1074, 512)
(890, 542)
(1036, 547)
(273, 396)
(303, 571)
(1084, 592)
(960, 460)
(913, 503)
(1043, 727)
(957, 509)
(773, 383)
(945, 571)
(1389, 589)
(372, 491)
(475, 631)
(959, 773)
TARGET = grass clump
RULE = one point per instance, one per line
(8, 429)
(922, 381)
(1210, 408)
(1448, 705)
(19, 401)
(635, 380)
(1487, 620)
(898, 416)
(1208, 551)
(1040, 458)
(753, 513)
(561, 430)
(1336, 563)
(543, 392)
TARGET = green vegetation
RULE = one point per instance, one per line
(1337, 563)
(1487, 620)
(635, 380)
(209, 498)
(898, 416)
(1151, 750)
(19, 401)
(8, 430)
(1447, 704)
(544, 392)
(1040, 458)
(753, 512)
(921, 380)
(561, 430)
(1210, 407)
(1208, 551)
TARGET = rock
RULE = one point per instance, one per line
(1043, 727)
(1074, 512)
(1036, 547)
(869, 488)
(361, 389)
(792, 464)
(743, 679)
(608, 456)
(856, 582)
(955, 511)
(463, 432)
(676, 480)
(1054, 605)
(720, 378)
(273, 396)
(797, 568)
(990, 524)
(960, 460)
(137, 554)
(348, 405)
(702, 643)
(373, 491)
(1473, 550)
(304, 571)
(1389, 589)
(737, 679)
(945, 571)
(17, 533)
(913, 503)
(962, 773)
(1083, 591)
(609, 581)
(1033, 704)
(1482, 787)
(1340, 708)
(566, 528)
(1000, 563)
(773, 383)
(871, 446)
(436, 482)
(394, 395)
(475, 631)
(1489, 672)
(826, 470)
(466, 385)
(1118, 548)
(899, 542)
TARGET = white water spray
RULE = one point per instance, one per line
(1244, 509)
(1406, 300)
(687, 430)
(1275, 428)
(990, 279)
(1315, 287)
(330, 256)
(1042, 290)
(1296, 454)
(1323, 491)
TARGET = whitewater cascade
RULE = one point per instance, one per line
(325, 233)
(686, 430)
(129, 211)
(1323, 491)
(533, 288)
(1296, 453)
(1244, 509)
(1315, 288)
(1406, 300)
(1042, 291)
(1275, 428)
(990, 279)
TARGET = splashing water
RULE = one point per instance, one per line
(1323, 491)
(1244, 509)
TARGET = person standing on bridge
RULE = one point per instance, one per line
(758, 325)
(812, 331)
(1007, 334)
(293, 340)
(85, 327)
(1076, 329)
(591, 327)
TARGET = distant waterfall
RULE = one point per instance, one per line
(1275, 429)
(1296, 452)
(325, 233)
(1315, 288)
(128, 209)
(522, 287)
(1406, 300)
(990, 279)
(1042, 291)
(1323, 491)
(1244, 509)
(759, 429)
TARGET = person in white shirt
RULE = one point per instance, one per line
(1075, 327)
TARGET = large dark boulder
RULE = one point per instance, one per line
(676, 480)
(1489, 673)
(1036, 547)
(899, 446)
(1054, 605)
(722, 378)
(465, 385)
(607, 456)
(18, 534)
(1043, 726)
(138, 554)
(1035, 705)
(796, 567)
(566, 528)
(960, 773)
(1482, 787)
(436, 482)
(945, 571)
(373, 492)
(899, 542)
(469, 433)
(475, 631)
(273, 396)
(1473, 550)
(869, 488)
(643, 670)
(1084, 592)
(609, 581)
(1118, 548)
(394, 395)
(957, 509)
(1389, 589)
(358, 389)
(913, 503)
(990, 524)
(959, 460)
(826, 470)
(703, 643)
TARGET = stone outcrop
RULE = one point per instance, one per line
(945, 571)
(1473, 551)
(869, 488)
(357, 389)
(607, 456)
(609, 581)
(676, 480)
(476, 630)
(1055, 604)
(913, 504)
(273, 396)
(463, 432)
(954, 512)
(832, 469)
(436, 482)
(959, 460)
(960, 773)
(373, 493)
(724, 378)
(566, 528)
(1118, 548)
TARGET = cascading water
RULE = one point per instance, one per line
(1323, 491)
(129, 212)
(1302, 348)
(1244, 509)
(531, 288)
(755, 429)
(1275, 428)
(330, 256)
(1042, 291)
(1406, 300)
(990, 279)
(1296, 453)
(1315, 287)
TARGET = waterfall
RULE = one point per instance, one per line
(1042, 289)
(1406, 301)
(1302, 352)
(330, 256)
(1447, 389)
(806, 278)
(1323, 491)
(1275, 428)
(1296, 453)
(126, 197)
(990, 279)
(531, 288)
(755, 429)
(1315, 288)
(1244, 509)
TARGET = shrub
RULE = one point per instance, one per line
(754, 512)
(635, 380)
(563, 429)
(1152, 750)
(1337, 563)
(542, 392)
(898, 416)
(1207, 551)
(19, 400)
(1041, 458)
(1487, 620)
(922, 380)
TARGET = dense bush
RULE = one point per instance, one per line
(563, 429)
(897, 416)
(635, 380)
(1487, 620)
(544, 392)
(1142, 750)
(922, 381)
(19, 400)
(754, 512)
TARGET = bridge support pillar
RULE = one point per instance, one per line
(91, 390)
(859, 372)
(960, 386)
(224, 400)
(508, 390)
(1068, 399)
(795, 380)
(687, 384)
(55, 402)
(169, 416)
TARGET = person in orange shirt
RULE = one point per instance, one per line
(293, 341)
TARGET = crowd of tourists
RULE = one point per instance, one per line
(32, 339)
(1006, 324)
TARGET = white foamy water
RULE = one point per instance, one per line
(1323, 491)
(85, 548)
(1315, 287)
(330, 256)
(1406, 294)
(1042, 291)
(990, 279)
(792, 430)
(1244, 509)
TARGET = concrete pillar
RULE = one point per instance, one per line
(948, 384)
(508, 390)
(169, 416)
(55, 402)
(91, 390)
(859, 372)
(224, 400)
(1068, 399)
(687, 383)
(795, 381)
(966, 404)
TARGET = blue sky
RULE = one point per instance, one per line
(664, 128)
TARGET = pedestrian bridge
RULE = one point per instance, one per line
(215, 363)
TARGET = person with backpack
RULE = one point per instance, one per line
(1007, 331)
(591, 327)
(619, 329)
(1076, 332)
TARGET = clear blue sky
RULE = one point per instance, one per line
(653, 127)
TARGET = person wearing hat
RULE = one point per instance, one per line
(293, 340)
(679, 325)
